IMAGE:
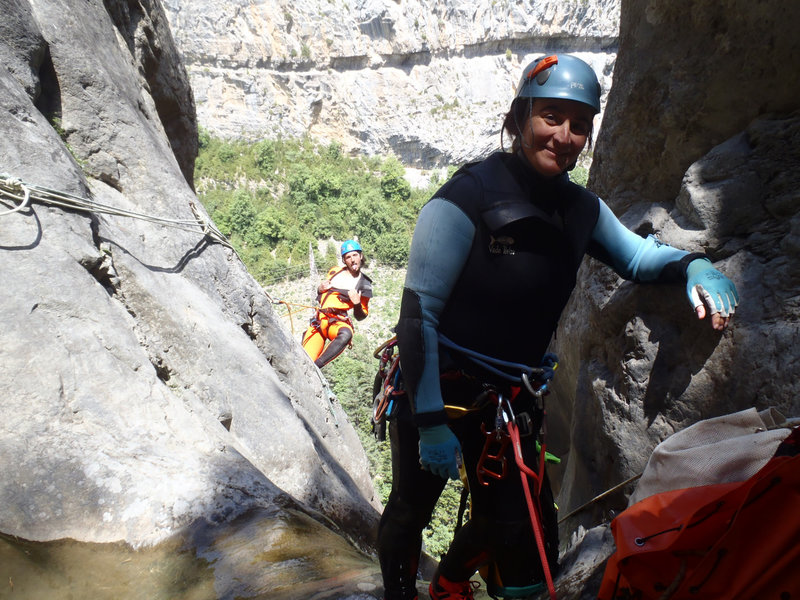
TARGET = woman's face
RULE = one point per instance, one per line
(555, 134)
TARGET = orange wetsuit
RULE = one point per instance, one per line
(331, 321)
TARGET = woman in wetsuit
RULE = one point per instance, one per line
(492, 264)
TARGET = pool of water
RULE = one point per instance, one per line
(286, 556)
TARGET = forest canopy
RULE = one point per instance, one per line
(275, 199)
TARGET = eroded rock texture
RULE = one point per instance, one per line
(699, 145)
(426, 80)
(146, 381)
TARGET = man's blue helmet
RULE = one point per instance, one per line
(560, 76)
(350, 246)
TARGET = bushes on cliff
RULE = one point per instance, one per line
(276, 198)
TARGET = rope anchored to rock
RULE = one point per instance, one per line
(22, 193)
(289, 310)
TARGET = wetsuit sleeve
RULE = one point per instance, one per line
(439, 249)
(634, 257)
(364, 287)
(361, 310)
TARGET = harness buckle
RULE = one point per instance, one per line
(524, 424)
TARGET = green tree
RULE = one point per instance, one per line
(392, 248)
(241, 214)
(227, 153)
(267, 228)
(203, 138)
(299, 184)
(371, 214)
(394, 186)
(265, 157)
(333, 151)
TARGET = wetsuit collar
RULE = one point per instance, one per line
(541, 190)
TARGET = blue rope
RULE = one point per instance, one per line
(544, 373)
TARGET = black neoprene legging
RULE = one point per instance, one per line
(335, 348)
(498, 532)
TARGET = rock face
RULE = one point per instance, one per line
(427, 80)
(147, 383)
(700, 144)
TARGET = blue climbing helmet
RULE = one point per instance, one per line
(350, 246)
(560, 76)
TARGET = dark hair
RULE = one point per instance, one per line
(515, 121)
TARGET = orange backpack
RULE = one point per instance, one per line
(727, 541)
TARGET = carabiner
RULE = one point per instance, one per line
(492, 462)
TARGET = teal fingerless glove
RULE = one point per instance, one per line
(439, 451)
(705, 284)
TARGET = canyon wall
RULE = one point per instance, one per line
(426, 80)
(147, 382)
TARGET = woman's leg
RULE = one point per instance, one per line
(408, 510)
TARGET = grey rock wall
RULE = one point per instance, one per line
(146, 381)
(427, 80)
(699, 145)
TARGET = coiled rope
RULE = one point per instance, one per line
(22, 193)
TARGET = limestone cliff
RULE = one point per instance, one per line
(427, 80)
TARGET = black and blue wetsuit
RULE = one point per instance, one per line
(492, 264)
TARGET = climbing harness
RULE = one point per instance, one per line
(387, 388)
(509, 430)
(528, 376)
(22, 193)
(333, 315)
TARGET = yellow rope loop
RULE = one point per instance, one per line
(288, 305)
(289, 312)
(8, 186)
